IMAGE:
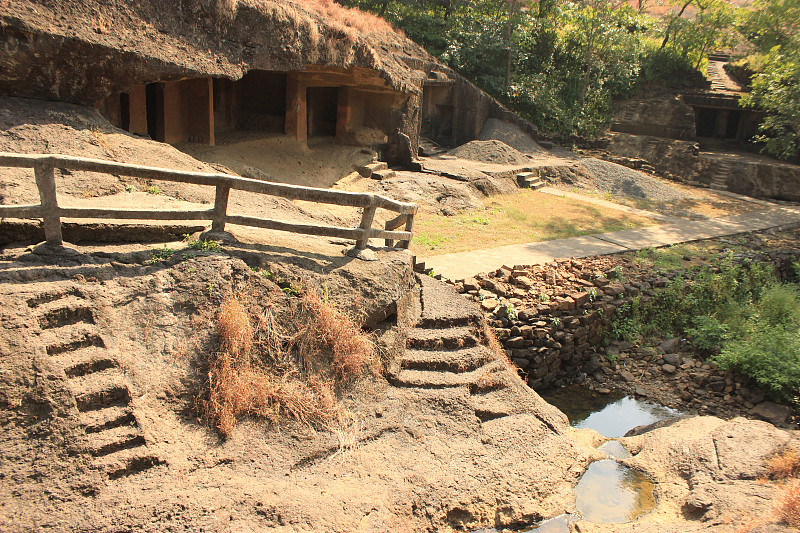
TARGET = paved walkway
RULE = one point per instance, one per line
(608, 205)
(463, 265)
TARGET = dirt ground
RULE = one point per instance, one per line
(408, 460)
(275, 157)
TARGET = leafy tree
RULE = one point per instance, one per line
(777, 91)
(773, 26)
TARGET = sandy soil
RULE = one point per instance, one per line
(275, 157)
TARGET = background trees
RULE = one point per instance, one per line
(772, 27)
(563, 63)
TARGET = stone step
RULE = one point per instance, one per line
(85, 361)
(443, 307)
(70, 338)
(524, 177)
(432, 379)
(64, 312)
(438, 379)
(100, 390)
(127, 462)
(114, 439)
(367, 170)
(51, 294)
(436, 338)
(456, 361)
(103, 419)
(381, 175)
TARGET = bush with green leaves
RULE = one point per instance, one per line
(768, 351)
(739, 311)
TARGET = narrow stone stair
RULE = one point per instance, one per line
(445, 347)
(73, 341)
(719, 180)
(377, 170)
(530, 180)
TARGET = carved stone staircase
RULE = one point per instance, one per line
(530, 180)
(446, 346)
(73, 341)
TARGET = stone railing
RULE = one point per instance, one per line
(51, 212)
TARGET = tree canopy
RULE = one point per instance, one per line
(563, 63)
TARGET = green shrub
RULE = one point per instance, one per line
(707, 333)
(770, 356)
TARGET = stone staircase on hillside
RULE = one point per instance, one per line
(73, 341)
(444, 348)
(719, 180)
(530, 180)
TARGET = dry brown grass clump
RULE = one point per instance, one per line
(351, 21)
(239, 385)
(784, 465)
(347, 18)
(255, 371)
(324, 330)
(789, 506)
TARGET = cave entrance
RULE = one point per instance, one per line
(322, 113)
(257, 102)
(437, 114)
(705, 120)
(154, 110)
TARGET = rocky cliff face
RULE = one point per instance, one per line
(81, 51)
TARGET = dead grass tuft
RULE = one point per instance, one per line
(288, 368)
(350, 21)
(234, 329)
(324, 329)
(789, 505)
(348, 18)
(784, 465)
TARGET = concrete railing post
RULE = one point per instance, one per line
(51, 214)
(220, 207)
(367, 216)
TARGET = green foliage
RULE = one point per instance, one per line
(707, 332)
(161, 254)
(777, 90)
(426, 240)
(153, 190)
(740, 310)
(560, 63)
(710, 29)
(769, 350)
(203, 245)
(773, 27)
(667, 66)
(724, 296)
(511, 311)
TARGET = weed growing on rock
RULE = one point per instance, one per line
(292, 367)
(161, 254)
(203, 245)
(789, 507)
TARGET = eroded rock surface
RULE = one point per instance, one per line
(415, 457)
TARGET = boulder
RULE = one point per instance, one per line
(773, 413)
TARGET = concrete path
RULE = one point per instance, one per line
(609, 205)
(463, 265)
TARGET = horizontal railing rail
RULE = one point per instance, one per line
(51, 213)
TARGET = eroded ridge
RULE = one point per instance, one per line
(73, 341)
